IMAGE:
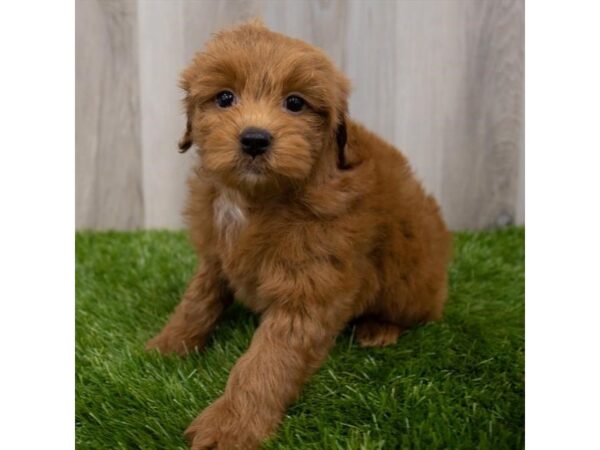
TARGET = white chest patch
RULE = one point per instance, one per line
(229, 215)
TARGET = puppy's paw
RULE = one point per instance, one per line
(168, 342)
(372, 333)
(221, 427)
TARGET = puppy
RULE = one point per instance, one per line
(301, 214)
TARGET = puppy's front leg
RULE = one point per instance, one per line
(196, 315)
(288, 346)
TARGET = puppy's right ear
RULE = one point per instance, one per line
(184, 83)
(186, 141)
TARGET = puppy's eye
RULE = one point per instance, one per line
(294, 103)
(225, 99)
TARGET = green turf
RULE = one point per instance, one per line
(456, 384)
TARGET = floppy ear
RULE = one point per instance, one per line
(341, 93)
(186, 141)
(341, 136)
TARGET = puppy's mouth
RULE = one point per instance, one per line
(254, 166)
(254, 170)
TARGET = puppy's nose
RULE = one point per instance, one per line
(255, 141)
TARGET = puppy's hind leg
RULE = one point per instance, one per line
(372, 332)
(195, 317)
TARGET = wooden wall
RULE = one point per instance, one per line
(443, 80)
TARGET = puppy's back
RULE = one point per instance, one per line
(416, 242)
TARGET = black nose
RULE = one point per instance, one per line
(255, 141)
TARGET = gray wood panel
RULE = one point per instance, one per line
(481, 176)
(161, 57)
(108, 182)
(442, 80)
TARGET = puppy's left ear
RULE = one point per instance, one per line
(186, 141)
(341, 136)
(341, 93)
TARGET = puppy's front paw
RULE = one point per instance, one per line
(171, 342)
(221, 427)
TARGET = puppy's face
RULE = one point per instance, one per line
(262, 108)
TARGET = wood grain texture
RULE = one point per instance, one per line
(442, 80)
(107, 141)
(481, 176)
(161, 57)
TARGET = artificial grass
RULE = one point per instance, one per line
(456, 384)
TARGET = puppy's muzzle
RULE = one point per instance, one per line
(255, 141)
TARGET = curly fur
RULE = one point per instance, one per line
(328, 227)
